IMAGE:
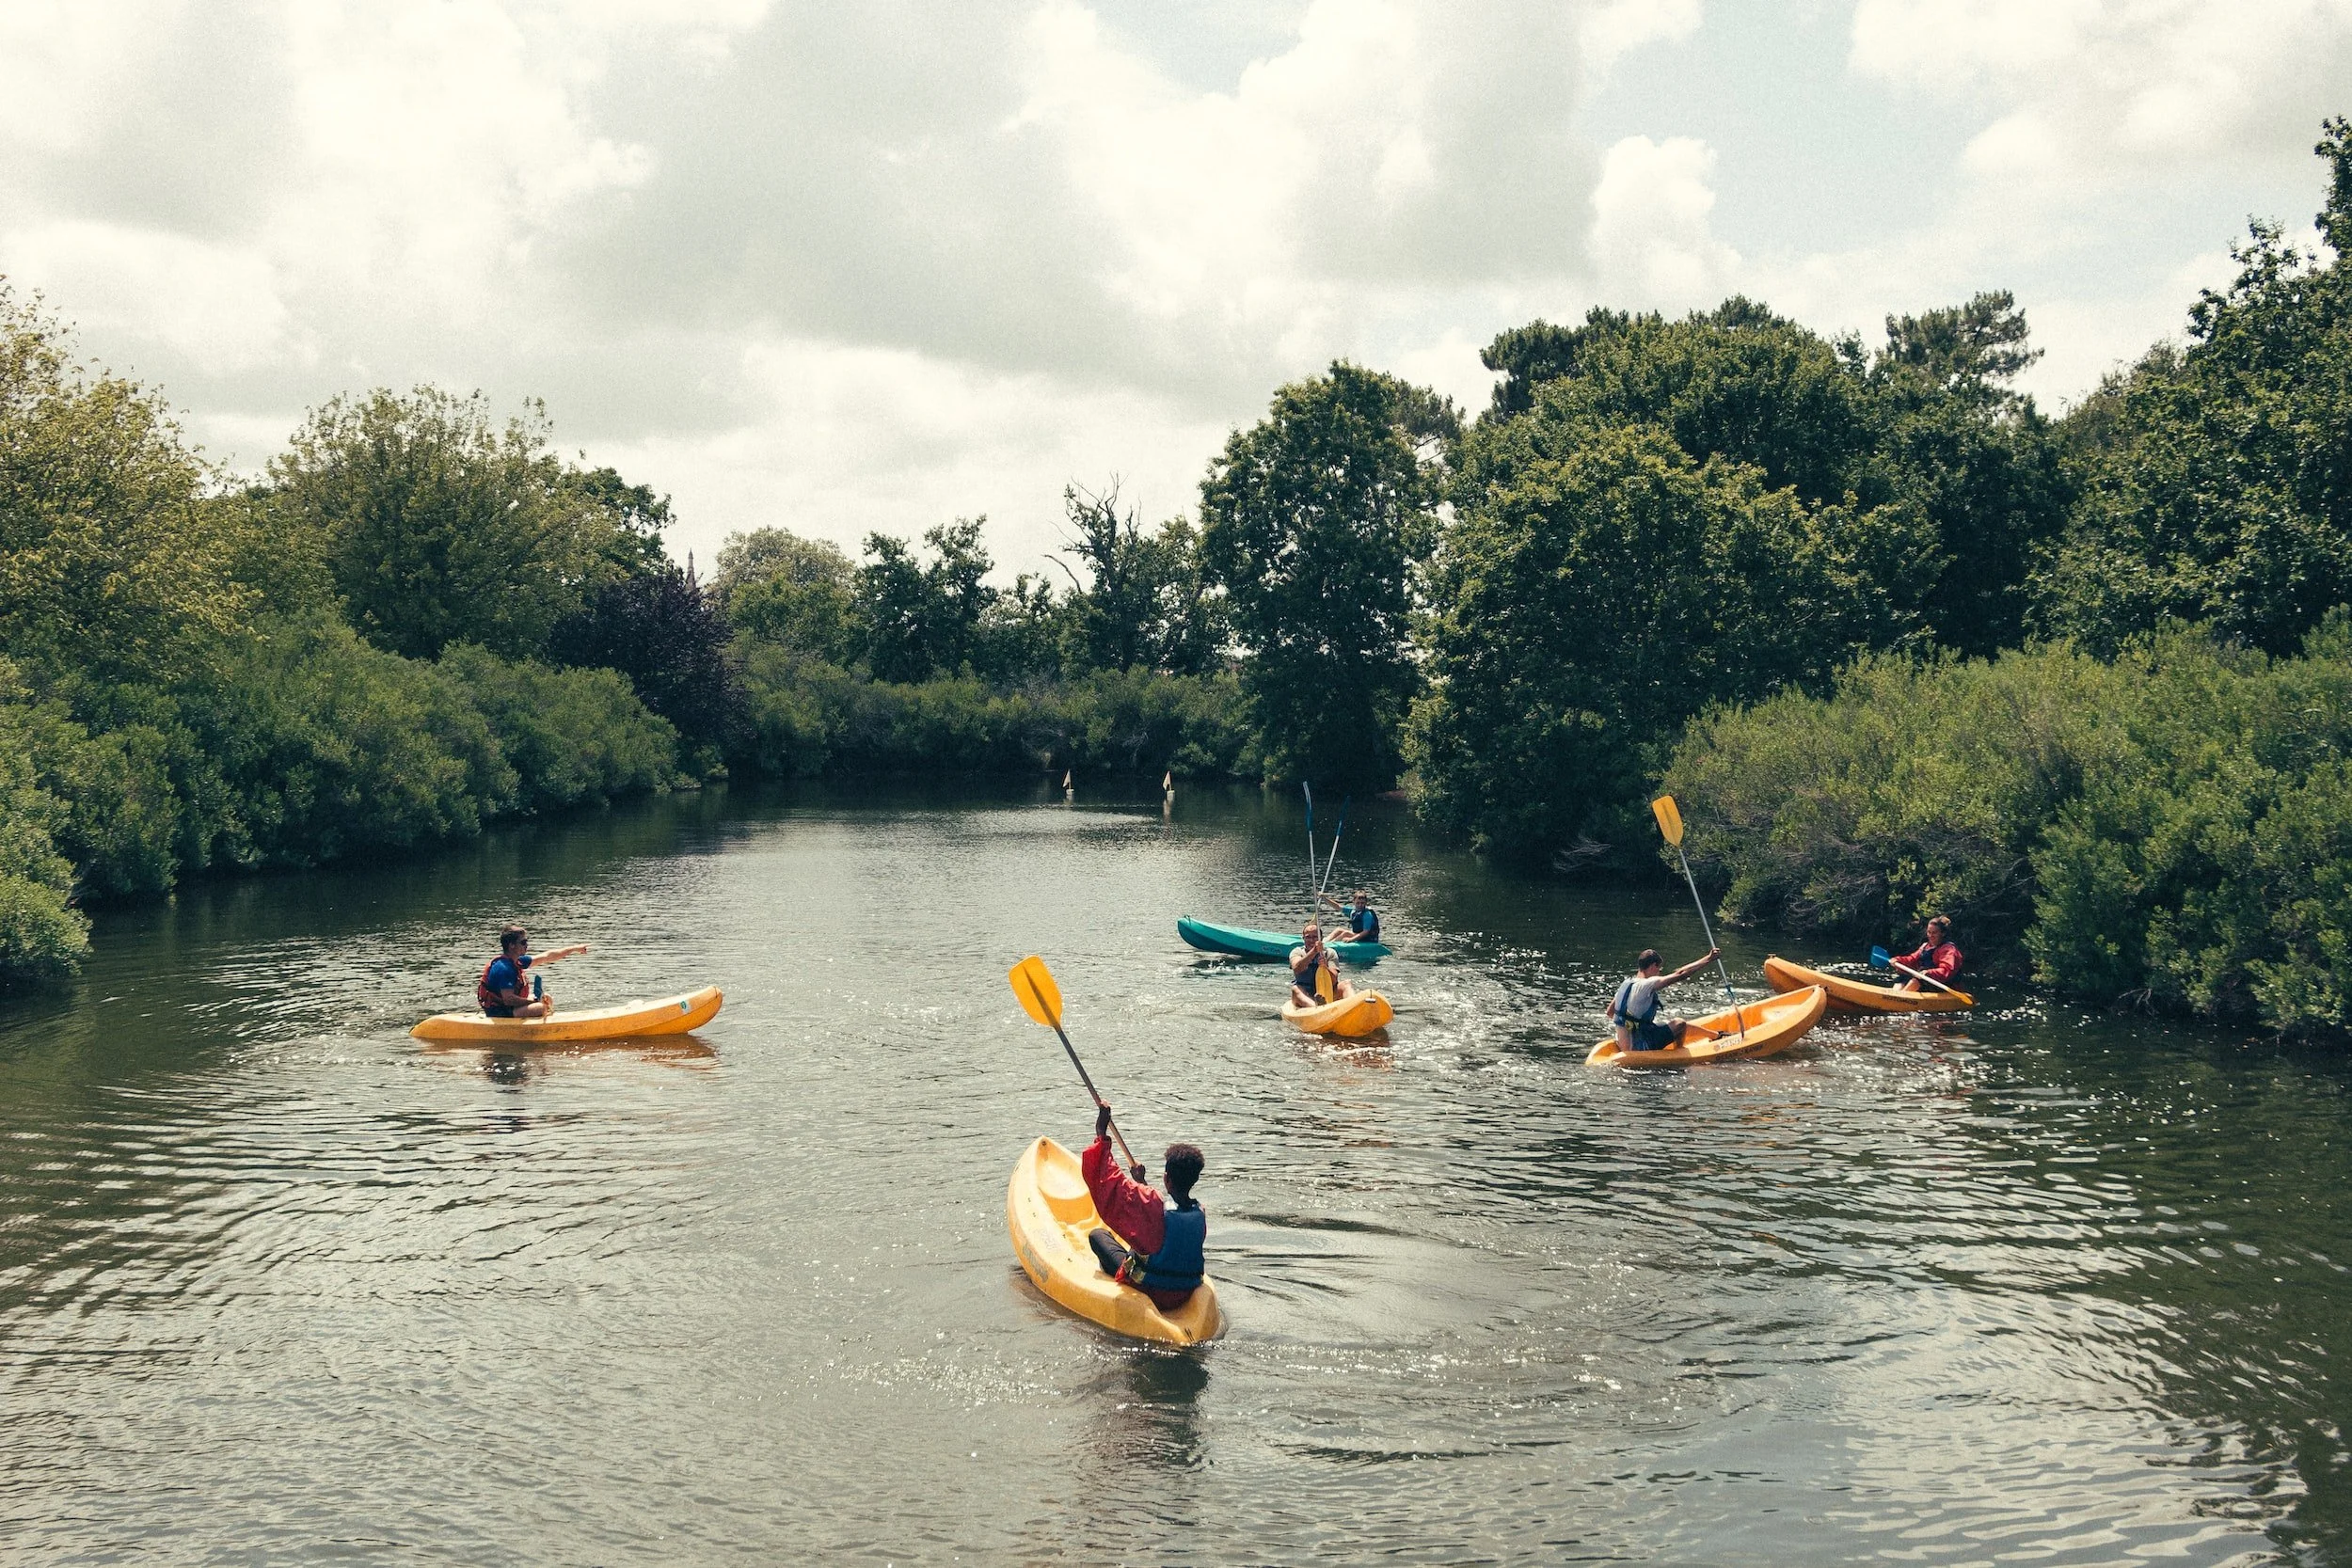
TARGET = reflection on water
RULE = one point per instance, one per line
(278, 1282)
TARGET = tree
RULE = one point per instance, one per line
(439, 525)
(663, 631)
(777, 587)
(1144, 600)
(923, 619)
(2219, 486)
(1597, 590)
(1312, 521)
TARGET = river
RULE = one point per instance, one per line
(278, 1283)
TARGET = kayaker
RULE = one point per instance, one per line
(1938, 958)
(1633, 1011)
(1163, 1251)
(1363, 922)
(1314, 976)
(501, 990)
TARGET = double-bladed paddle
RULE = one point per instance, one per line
(1881, 959)
(1033, 983)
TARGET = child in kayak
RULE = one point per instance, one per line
(1363, 922)
(1314, 976)
(1633, 1011)
(1163, 1253)
(501, 990)
(1938, 958)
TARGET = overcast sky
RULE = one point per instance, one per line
(845, 267)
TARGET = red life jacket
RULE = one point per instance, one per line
(487, 998)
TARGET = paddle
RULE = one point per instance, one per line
(1881, 959)
(1033, 983)
(1313, 907)
(1333, 859)
(1670, 823)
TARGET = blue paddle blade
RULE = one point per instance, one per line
(1881, 959)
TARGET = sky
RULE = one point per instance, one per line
(846, 268)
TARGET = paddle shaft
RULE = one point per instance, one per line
(1730, 995)
(1132, 1160)
(1916, 975)
(1333, 859)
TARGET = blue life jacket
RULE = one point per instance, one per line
(1365, 923)
(1180, 1262)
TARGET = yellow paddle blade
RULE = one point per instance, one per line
(1033, 983)
(1669, 817)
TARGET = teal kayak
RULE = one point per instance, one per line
(1245, 942)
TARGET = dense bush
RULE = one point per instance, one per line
(806, 717)
(2173, 827)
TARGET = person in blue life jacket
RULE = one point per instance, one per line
(1363, 921)
(506, 989)
(1314, 973)
(1633, 1011)
(1143, 1242)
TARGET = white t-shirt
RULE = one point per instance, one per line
(1641, 999)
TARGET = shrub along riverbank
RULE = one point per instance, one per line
(2172, 828)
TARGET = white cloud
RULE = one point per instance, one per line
(215, 304)
(1651, 231)
(1617, 27)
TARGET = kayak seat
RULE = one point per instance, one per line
(1065, 1192)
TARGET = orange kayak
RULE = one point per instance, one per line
(1049, 1211)
(1350, 1016)
(1860, 996)
(670, 1015)
(1772, 1024)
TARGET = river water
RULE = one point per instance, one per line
(279, 1284)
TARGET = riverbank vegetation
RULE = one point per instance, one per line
(1900, 640)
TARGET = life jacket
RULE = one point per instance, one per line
(1620, 1005)
(1326, 972)
(487, 998)
(1180, 1261)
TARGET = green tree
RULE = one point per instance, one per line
(440, 525)
(2218, 485)
(1597, 587)
(1312, 522)
(920, 619)
(801, 593)
(1144, 600)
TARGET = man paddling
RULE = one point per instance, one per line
(502, 991)
(1633, 1011)
(1163, 1253)
(1314, 976)
(1938, 958)
(1363, 922)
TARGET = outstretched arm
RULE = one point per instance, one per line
(560, 953)
(1694, 965)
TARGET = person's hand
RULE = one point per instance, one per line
(1102, 1119)
(1712, 954)
(1138, 1174)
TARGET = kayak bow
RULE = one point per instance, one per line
(1860, 996)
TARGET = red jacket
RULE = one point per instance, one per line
(1138, 1212)
(1946, 962)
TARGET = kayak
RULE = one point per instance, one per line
(1860, 996)
(1248, 941)
(1350, 1016)
(1773, 1024)
(1049, 1211)
(670, 1015)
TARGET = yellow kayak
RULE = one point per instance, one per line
(1049, 1211)
(1773, 1024)
(1860, 996)
(671, 1015)
(1350, 1016)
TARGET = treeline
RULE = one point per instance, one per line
(1903, 641)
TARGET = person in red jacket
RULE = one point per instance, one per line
(1938, 958)
(1157, 1250)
